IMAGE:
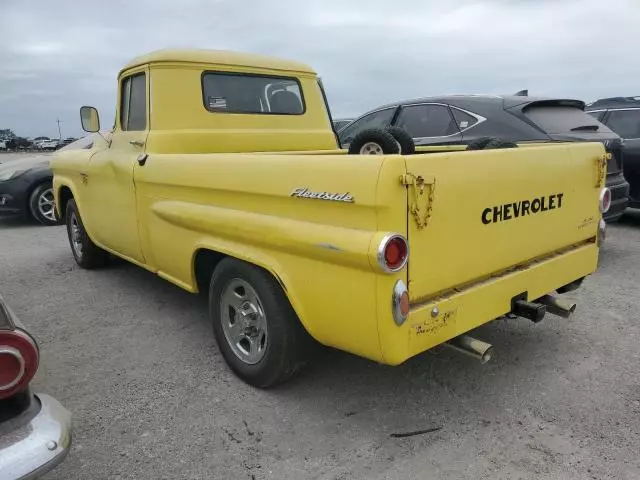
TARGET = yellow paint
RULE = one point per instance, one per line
(223, 182)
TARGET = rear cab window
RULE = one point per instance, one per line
(251, 94)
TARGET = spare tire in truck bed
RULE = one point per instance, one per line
(407, 146)
(373, 141)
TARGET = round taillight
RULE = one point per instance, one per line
(605, 200)
(11, 368)
(393, 253)
(19, 358)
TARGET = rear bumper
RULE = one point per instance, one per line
(619, 197)
(36, 447)
(434, 322)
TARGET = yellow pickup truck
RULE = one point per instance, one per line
(223, 175)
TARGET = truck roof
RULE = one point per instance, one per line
(219, 57)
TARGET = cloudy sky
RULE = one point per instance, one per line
(58, 55)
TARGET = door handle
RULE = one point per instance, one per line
(142, 159)
(137, 143)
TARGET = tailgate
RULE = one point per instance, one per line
(496, 209)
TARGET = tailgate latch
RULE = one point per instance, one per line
(420, 205)
(601, 166)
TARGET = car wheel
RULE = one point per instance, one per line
(403, 139)
(373, 141)
(87, 254)
(255, 327)
(41, 205)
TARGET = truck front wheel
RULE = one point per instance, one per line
(256, 329)
(87, 254)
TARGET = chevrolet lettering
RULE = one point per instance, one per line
(509, 211)
(242, 198)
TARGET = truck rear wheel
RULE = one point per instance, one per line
(256, 329)
(87, 254)
(373, 141)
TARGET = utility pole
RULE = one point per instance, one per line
(59, 131)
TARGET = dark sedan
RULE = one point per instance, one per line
(26, 185)
(622, 115)
(461, 119)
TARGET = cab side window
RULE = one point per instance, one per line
(133, 103)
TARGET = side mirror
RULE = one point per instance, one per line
(89, 119)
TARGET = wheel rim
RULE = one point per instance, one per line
(244, 322)
(46, 205)
(371, 148)
(75, 233)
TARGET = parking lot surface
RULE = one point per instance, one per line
(134, 359)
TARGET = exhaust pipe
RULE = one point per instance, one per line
(557, 306)
(478, 349)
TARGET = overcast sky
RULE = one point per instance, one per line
(58, 55)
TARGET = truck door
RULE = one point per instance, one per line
(111, 204)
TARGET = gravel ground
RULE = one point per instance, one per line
(134, 359)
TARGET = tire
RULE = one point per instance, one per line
(245, 298)
(490, 143)
(479, 143)
(497, 143)
(407, 145)
(373, 141)
(87, 254)
(41, 205)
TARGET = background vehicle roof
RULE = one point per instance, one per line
(615, 102)
(219, 57)
(470, 101)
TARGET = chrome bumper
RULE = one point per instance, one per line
(38, 446)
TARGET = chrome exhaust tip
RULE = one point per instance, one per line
(478, 349)
(557, 306)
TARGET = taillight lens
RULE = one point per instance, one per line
(400, 302)
(393, 253)
(19, 359)
(605, 200)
